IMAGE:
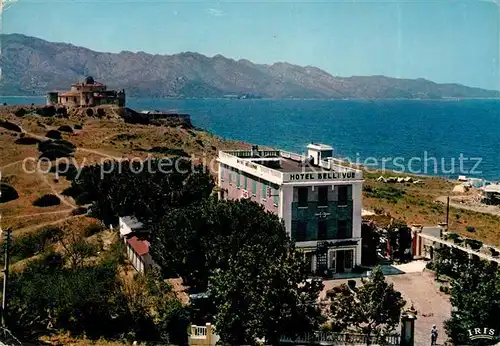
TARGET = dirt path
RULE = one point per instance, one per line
(479, 208)
(39, 214)
(50, 223)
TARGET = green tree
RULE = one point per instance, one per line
(475, 298)
(257, 279)
(145, 189)
(374, 308)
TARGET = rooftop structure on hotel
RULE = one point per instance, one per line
(87, 93)
(318, 198)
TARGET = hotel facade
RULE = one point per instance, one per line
(318, 199)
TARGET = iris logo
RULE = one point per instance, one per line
(482, 333)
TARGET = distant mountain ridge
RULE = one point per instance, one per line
(32, 66)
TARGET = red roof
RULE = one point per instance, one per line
(141, 247)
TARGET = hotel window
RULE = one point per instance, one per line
(264, 190)
(342, 195)
(321, 230)
(302, 196)
(245, 182)
(341, 229)
(322, 196)
(230, 176)
(301, 231)
(238, 178)
(254, 188)
(276, 197)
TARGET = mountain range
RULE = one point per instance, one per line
(32, 66)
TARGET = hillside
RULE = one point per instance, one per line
(31, 66)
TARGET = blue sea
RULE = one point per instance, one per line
(444, 138)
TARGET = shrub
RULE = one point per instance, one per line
(89, 112)
(48, 111)
(79, 211)
(27, 140)
(101, 113)
(21, 112)
(474, 244)
(169, 151)
(8, 193)
(10, 126)
(53, 134)
(54, 149)
(48, 200)
(470, 229)
(33, 243)
(65, 128)
(62, 111)
(494, 253)
(78, 127)
(200, 142)
(93, 229)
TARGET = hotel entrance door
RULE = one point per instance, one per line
(340, 261)
(344, 260)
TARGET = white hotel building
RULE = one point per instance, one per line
(318, 199)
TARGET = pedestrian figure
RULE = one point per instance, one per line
(434, 335)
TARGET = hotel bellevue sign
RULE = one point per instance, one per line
(322, 176)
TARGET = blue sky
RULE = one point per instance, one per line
(441, 40)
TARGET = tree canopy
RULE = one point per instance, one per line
(144, 189)
(374, 308)
(475, 298)
(242, 254)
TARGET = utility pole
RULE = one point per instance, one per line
(447, 212)
(8, 237)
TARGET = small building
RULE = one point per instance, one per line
(87, 93)
(318, 198)
(136, 240)
(491, 194)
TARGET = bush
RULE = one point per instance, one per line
(27, 140)
(79, 211)
(93, 229)
(78, 127)
(169, 151)
(21, 112)
(89, 112)
(53, 149)
(48, 111)
(8, 193)
(62, 111)
(53, 134)
(34, 243)
(470, 229)
(65, 169)
(48, 200)
(65, 128)
(101, 113)
(10, 126)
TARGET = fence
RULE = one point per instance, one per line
(330, 338)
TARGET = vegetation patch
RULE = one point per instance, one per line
(21, 112)
(26, 140)
(169, 151)
(10, 126)
(33, 243)
(65, 128)
(389, 193)
(8, 193)
(47, 111)
(48, 200)
(54, 149)
(125, 137)
(54, 134)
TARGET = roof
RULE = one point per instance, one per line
(141, 247)
(70, 93)
(492, 188)
(319, 146)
